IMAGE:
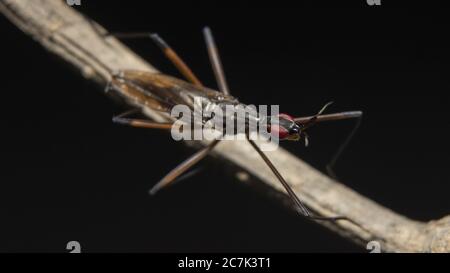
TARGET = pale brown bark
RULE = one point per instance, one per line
(63, 31)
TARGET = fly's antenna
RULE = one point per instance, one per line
(312, 120)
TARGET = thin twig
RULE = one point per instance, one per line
(68, 34)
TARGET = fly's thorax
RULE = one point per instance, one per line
(231, 117)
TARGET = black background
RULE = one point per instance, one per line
(68, 173)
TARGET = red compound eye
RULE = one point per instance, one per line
(278, 131)
(285, 116)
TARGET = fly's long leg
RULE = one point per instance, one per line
(183, 167)
(215, 61)
(313, 119)
(179, 63)
(140, 123)
(168, 52)
(308, 121)
(341, 149)
(188, 174)
(178, 173)
(330, 117)
(301, 207)
(176, 60)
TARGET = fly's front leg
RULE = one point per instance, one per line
(342, 147)
(139, 123)
(306, 121)
(330, 117)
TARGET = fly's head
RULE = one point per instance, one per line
(285, 128)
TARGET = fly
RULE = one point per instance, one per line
(160, 92)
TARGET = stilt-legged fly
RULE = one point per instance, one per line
(162, 92)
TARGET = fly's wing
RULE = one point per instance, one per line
(158, 91)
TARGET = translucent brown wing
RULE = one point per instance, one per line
(160, 92)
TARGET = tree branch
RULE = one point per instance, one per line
(68, 34)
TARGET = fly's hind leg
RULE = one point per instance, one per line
(167, 50)
(179, 63)
(180, 172)
(183, 167)
(139, 123)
